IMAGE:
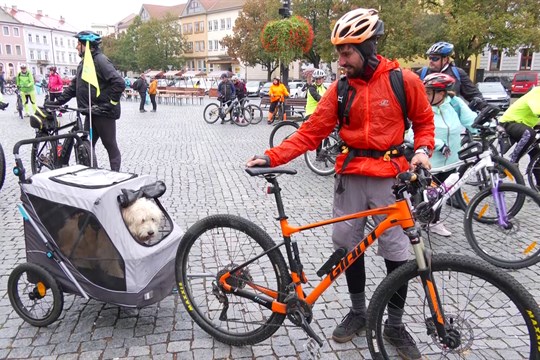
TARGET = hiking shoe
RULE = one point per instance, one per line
(439, 229)
(402, 340)
(350, 325)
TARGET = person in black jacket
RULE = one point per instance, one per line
(440, 62)
(141, 86)
(106, 107)
(226, 93)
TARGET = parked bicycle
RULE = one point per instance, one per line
(255, 112)
(53, 153)
(2, 167)
(236, 285)
(237, 114)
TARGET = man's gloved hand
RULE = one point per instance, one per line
(259, 160)
(102, 109)
(445, 150)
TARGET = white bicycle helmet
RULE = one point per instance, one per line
(357, 26)
(318, 74)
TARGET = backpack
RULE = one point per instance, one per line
(136, 85)
(345, 100)
(454, 71)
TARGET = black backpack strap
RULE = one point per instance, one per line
(398, 86)
(344, 100)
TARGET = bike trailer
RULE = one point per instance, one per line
(74, 229)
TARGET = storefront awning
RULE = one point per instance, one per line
(154, 73)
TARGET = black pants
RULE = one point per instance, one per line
(54, 96)
(143, 100)
(523, 136)
(153, 100)
(105, 129)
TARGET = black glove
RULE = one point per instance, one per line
(102, 109)
(263, 157)
(445, 150)
(52, 104)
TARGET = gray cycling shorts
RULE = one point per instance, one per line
(362, 193)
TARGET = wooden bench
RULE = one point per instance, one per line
(294, 107)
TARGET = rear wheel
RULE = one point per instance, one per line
(35, 294)
(211, 248)
(502, 230)
(211, 113)
(241, 116)
(282, 131)
(44, 156)
(255, 112)
(322, 161)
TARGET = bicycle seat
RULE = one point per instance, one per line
(256, 171)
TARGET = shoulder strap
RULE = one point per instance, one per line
(398, 87)
(344, 100)
(456, 73)
(423, 73)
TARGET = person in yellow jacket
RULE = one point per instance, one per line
(25, 83)
(152, 91)
(277, 93)
(315, 91)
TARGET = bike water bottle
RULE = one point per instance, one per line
(59, 150)
(450, 181)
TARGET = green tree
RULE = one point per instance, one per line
(245, 43)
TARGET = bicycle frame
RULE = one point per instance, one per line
(398, 214)
(224, 111)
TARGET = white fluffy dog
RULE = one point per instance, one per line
(142, 219)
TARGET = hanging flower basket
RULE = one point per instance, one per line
(287, 38)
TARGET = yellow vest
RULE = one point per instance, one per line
(311, 103)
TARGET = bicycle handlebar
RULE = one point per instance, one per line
(64, 108)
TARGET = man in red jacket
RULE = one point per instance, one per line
(374, 125)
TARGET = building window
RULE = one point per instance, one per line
(222, 23)
(61, 41)
(526, 59)
(32, 56)
(189, 46)
(223, 46)
(209, 25)
(216, 45)
(30, 38)
(56, 41)
(16, 32)
(44, 39)
(229, 23)
(37, 39)
(202, 66)
(46, 55)
(216, 28)
(495, 60)
(210, 43)
(39, 55)
(6, 30)
(199, 26)
(18, 50)
(188, 28)
(8, 49)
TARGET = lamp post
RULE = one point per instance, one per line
(285, 12)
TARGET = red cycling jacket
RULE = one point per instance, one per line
(376, 123)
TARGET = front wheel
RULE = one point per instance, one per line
(255, 113)
(19, 106)
(487, 312)
(209, 249)
(501, 228)
(2, 167)
(44, 156)
(211, 113)
(322, 161)
(35, 294)
(282, 131)
(241, 117)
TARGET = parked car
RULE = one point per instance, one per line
(523, 81)
(505, 80)
(495, 94)
(263, 92)
(253, 88)
(295, 89)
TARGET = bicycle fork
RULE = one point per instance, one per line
(437, 324)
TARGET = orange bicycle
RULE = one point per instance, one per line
(235, 284)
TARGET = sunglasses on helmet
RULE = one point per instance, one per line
(434, 58)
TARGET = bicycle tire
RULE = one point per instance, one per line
(256, 113)
(20, 106)
(282, 131)
(508, 172)
(35, 293)
(514, 246)
(2, 167)
(534, 165)
(323, 164)
(44, 156)
(230, 240)
(244, 117)
(211, 113)
(82, 154)
(467, 309)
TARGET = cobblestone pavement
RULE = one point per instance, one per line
(203, 167)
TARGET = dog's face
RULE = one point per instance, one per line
(142, 219)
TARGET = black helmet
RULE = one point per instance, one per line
(92, 37)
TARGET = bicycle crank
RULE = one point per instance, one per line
(299, 313)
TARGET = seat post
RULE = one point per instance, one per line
(276, 190)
